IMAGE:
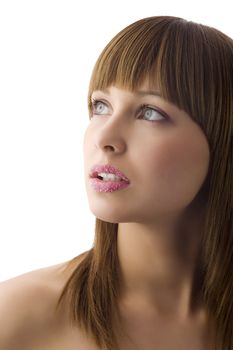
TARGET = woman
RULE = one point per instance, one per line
(158, 172)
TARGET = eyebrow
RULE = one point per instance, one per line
(140, 93)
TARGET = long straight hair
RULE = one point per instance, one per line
(192, 66)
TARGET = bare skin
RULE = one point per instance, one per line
(158, 238)
(28, 320)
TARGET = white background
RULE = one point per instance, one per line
(47, 52)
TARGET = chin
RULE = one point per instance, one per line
(111, 215)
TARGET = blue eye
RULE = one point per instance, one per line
(97, 107)
(150, 114)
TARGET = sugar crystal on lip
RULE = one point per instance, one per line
(112, 189)
(104, 186)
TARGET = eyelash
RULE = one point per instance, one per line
(142, 108)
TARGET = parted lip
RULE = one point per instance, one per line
(109, 169)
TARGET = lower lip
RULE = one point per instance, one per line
(108, 186)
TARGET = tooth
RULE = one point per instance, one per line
(108, 176)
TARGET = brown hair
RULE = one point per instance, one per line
(192, 65)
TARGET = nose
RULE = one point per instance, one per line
(111, 137)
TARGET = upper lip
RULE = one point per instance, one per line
(107, 168)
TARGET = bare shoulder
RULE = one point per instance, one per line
(28, 305)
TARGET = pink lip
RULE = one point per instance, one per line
(107, 168)
(107, 186)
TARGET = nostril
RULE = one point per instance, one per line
(111, 148)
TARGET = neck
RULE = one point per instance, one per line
(160, 266)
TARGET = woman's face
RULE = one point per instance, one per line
(166, 160)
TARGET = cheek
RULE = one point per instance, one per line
(87, 142)
(177, 167)
(87, 151)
